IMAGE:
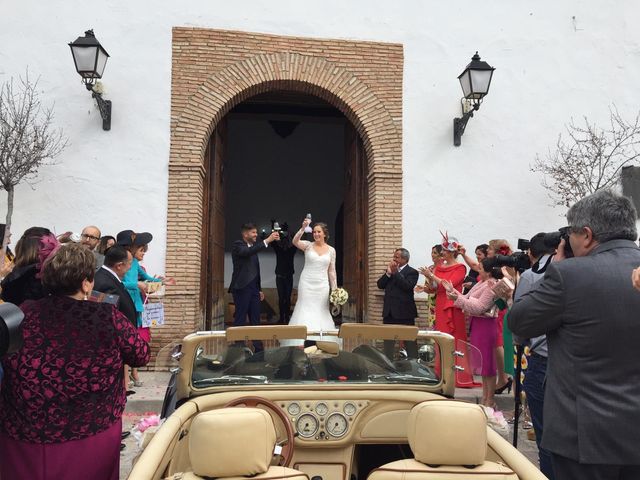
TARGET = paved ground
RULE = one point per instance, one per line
(148, 400)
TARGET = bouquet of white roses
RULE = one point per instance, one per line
(339, 297)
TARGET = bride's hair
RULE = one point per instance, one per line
(324, 228)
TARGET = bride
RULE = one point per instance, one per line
(318, 274)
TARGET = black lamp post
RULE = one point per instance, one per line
(90, 59)
(475, 81)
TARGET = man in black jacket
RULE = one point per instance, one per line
(399, 307)
(285, 255)
(108, 279)
(245, 280)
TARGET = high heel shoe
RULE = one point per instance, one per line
(507, 386)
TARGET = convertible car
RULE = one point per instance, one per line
(274, 402)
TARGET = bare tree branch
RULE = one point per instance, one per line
(590, 159)
(27, 138)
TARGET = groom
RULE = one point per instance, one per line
(245, 281)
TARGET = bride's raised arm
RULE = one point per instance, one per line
(333, 277)
(297, 238)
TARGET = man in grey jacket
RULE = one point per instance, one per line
(588, 309)
(535, 375)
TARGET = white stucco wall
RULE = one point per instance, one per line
(554, 60)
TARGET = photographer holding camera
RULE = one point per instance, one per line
(540, 255)
(588, 309)
(285, 252)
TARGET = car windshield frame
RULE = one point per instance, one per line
(327, 359)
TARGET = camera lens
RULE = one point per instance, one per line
(552, 239)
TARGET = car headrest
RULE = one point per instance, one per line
(231, 442)
(444, 432)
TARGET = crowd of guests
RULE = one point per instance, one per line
(62, 394)
(64, 391)
(468, 308)
(577, 316)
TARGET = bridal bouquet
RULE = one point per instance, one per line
(339, 297)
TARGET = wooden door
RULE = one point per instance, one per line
(212, 294)
(354, 227)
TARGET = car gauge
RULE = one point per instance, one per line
(337, 425)
(322, 409)
(349, 409)
(293, 409)
(307, 425)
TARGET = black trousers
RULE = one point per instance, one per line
(411, 347)
(284, 283)
(247, 304)
(568, 469)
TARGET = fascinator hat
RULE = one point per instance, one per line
(449, 243)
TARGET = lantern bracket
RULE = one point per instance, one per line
(459, 124)
(105, 110)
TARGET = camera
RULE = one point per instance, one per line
(552, 240)
(10, 334)
(283, 230)
(524, 244)
(518, 260)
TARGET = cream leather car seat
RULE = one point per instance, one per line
(449, 442)
(235, 443)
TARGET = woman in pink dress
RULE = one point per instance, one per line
(449, 318)
(497, 247)
(479, 306)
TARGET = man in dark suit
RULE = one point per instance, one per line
(588, 309)
(399, 307)
(108, 279)
(245, 280)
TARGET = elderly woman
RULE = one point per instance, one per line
(63, 393)
(479, 306)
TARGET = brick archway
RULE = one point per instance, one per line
(215, 70)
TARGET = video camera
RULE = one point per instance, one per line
(518, 260)
(283, 229)
(10, 334)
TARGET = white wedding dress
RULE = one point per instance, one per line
(318, 274)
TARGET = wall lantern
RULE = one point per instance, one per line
(90, 59)
(475, 81)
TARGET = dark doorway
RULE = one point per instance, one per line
(278, 156)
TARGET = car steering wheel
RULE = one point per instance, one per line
(287, 448)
